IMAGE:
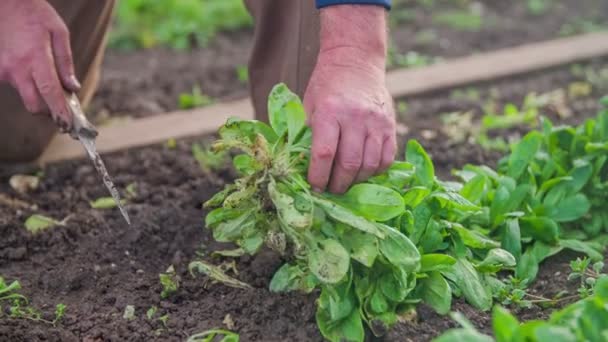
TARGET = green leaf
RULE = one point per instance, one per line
(436, 262)
(37, 223)
(436, 293)
(523, 153)
(399, 250)
(278, 100)
(468, 280)
(349, 329)
(362, 247)
(570, 208)
(511, 240)
(286, 279)
(374, 202)
(462, 335)
(424, 169)
(230, 230)
(347, 217)
(554, 333)
(328, 261)
(540, 228)
(396, 285)
(474, 239)
(496, 260)
(582, 247)
(105, 203)
(415, 195)
(286, 209)
(474, 189)
(505, 325)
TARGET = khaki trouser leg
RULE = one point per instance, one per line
(286, 45)
(24, 136)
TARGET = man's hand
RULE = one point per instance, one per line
(36, 58)
(351, 112)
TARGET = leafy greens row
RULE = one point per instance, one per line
(405, 237)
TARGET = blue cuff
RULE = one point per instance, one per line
(325, 3)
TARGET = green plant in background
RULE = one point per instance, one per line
(412, 59)
(461, 20)
(510, 117)
(580, 25)
(404, 236)
(169, 281)
(538, 7)
(179, 24)
(194, 99)
(213, 335)
(585, 320)
(242, 73)
(18, 306)
(587, 273)
(208, 160)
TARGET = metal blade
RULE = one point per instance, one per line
(86, 133)
(89, 146)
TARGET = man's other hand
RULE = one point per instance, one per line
(36, 58)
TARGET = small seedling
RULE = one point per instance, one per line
(207, 159)
(105, 203)
(129, 313)
(216, 274)
(18, 306)
(38, 223)
(211, 335)
(194, 99)
(169, 281)
(587, 274)
(242, 73)
(131, 190)
(151, 312)
(171, 144)
(539, 7)
(459, 20)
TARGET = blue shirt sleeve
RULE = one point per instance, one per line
(325, 3)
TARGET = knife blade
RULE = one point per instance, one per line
(83, 131)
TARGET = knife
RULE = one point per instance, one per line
(84, 131)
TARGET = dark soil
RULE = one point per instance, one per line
(97, 265)
(142, 83)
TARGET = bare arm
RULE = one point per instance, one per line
(352, 116)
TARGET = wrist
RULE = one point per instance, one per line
(354, 34)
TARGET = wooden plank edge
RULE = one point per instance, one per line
(402, 82)
(151, 130)
(493, 65)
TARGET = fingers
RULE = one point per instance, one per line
(389, 150)
(349, 158)
(325, 136)
(29, 93)
(50, 88)
(372, 157)
(62, 52)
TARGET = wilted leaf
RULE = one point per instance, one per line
(329, 261)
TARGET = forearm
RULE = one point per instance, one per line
(354, 34)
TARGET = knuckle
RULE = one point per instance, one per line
(324, 152)
(45, 88)
(371, 165)
(350, 164)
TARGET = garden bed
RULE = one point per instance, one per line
(97, 265)
(148, 82)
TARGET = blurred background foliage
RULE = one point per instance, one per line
(179, 24)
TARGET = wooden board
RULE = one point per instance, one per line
(402, 82)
